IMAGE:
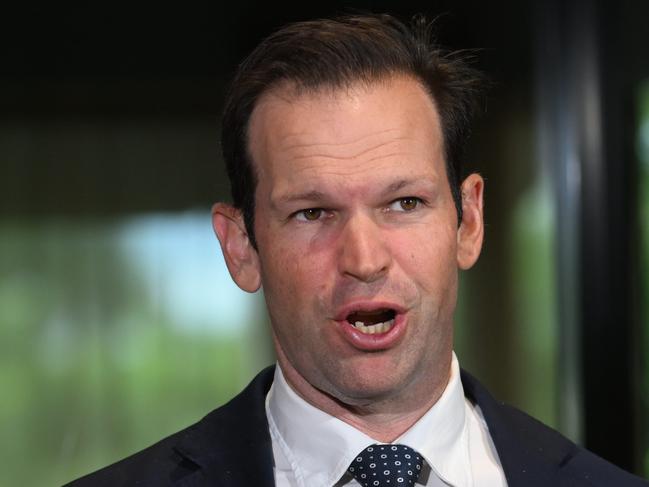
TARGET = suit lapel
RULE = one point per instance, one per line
(231, 446)
(530, 453)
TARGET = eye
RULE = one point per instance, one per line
(406, 204)
(309, 215)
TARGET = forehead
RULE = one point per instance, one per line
(346, 123)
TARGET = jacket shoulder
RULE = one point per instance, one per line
(532, 453)
(189, 451)
(147, 467)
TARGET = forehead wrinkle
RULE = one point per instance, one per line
(328, 144)
(303, 151)
(347, 158)
(344, 167)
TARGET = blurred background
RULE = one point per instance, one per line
(118, 320)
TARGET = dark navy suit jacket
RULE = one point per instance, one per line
(231, 446)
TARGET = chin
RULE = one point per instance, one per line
(360, 389)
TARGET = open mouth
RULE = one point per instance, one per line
(371, 322)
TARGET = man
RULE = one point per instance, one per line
(343, 141)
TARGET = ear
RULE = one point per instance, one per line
(471, 231)
(240, 257)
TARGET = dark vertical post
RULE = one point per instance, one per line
(606, 250)
(558, 148)
(579, 141)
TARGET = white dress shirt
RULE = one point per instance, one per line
(313, 449)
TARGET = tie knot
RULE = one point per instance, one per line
(386, 466)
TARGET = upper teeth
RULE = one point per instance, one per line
(376, 328)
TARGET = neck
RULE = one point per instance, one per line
(385, 418)
(385, 427)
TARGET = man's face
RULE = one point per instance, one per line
(358, 240)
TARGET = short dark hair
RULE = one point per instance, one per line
(336, 53)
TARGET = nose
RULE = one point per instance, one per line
(363, 251)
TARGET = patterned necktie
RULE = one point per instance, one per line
(386, 466)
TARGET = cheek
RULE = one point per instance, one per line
(291, 275)
(428, 257)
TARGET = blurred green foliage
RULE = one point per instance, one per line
(92, 367)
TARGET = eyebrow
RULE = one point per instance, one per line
(407, 183)
(312, 195)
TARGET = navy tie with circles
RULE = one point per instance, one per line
(386, 466)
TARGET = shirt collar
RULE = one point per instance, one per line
(320, 447)
(441, 435)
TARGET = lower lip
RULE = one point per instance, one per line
(376, 341)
